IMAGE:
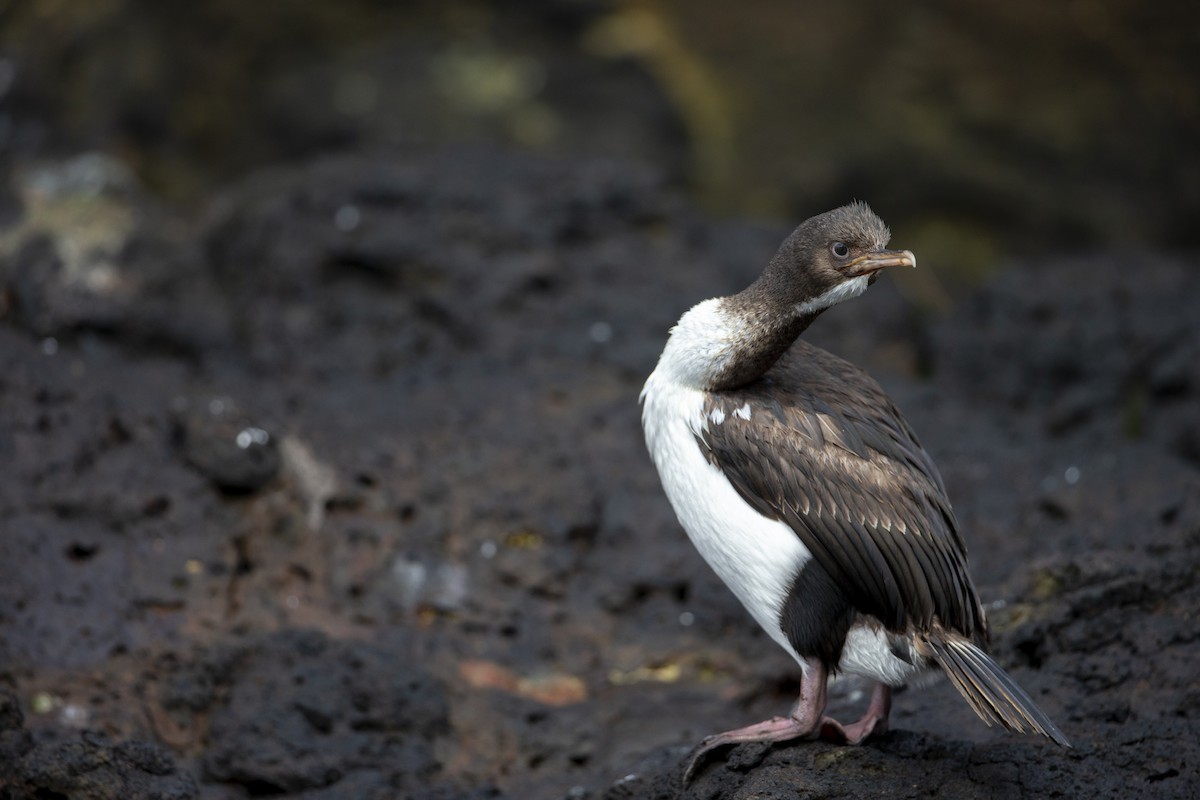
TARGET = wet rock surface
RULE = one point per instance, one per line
(296, 712)
(339, 491)
(86, 765)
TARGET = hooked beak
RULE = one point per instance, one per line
(870, 263)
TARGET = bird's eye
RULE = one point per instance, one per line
(839, 249)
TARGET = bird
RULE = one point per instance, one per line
(804, 488)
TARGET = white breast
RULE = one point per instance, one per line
(756, 557)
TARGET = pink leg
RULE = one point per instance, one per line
(807, 720)
(804, 721)
(874, 721)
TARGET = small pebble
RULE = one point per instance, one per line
(347, 218)
(600, 332)
(43, 703)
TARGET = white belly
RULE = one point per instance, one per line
(756, 557)
(868, 653)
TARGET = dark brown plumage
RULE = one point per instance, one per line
(868, 502)
(861, 492)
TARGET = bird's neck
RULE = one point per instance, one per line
(728, 342)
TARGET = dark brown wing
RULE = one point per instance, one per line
(826, 451)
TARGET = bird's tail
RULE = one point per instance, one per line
(993, 695)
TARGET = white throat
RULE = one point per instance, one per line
(843, 291)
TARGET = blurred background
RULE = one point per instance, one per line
(979, 130)
(322, 327)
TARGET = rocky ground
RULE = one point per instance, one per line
(338, 491)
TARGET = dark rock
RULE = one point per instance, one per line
(454, 343)
(225, 444)
(299, 712)
(88, 258)
(92, 767)
(15, 741)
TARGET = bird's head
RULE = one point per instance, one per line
(830, 258)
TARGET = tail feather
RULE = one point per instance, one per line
(991, 693)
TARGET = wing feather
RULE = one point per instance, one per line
(827, 452)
